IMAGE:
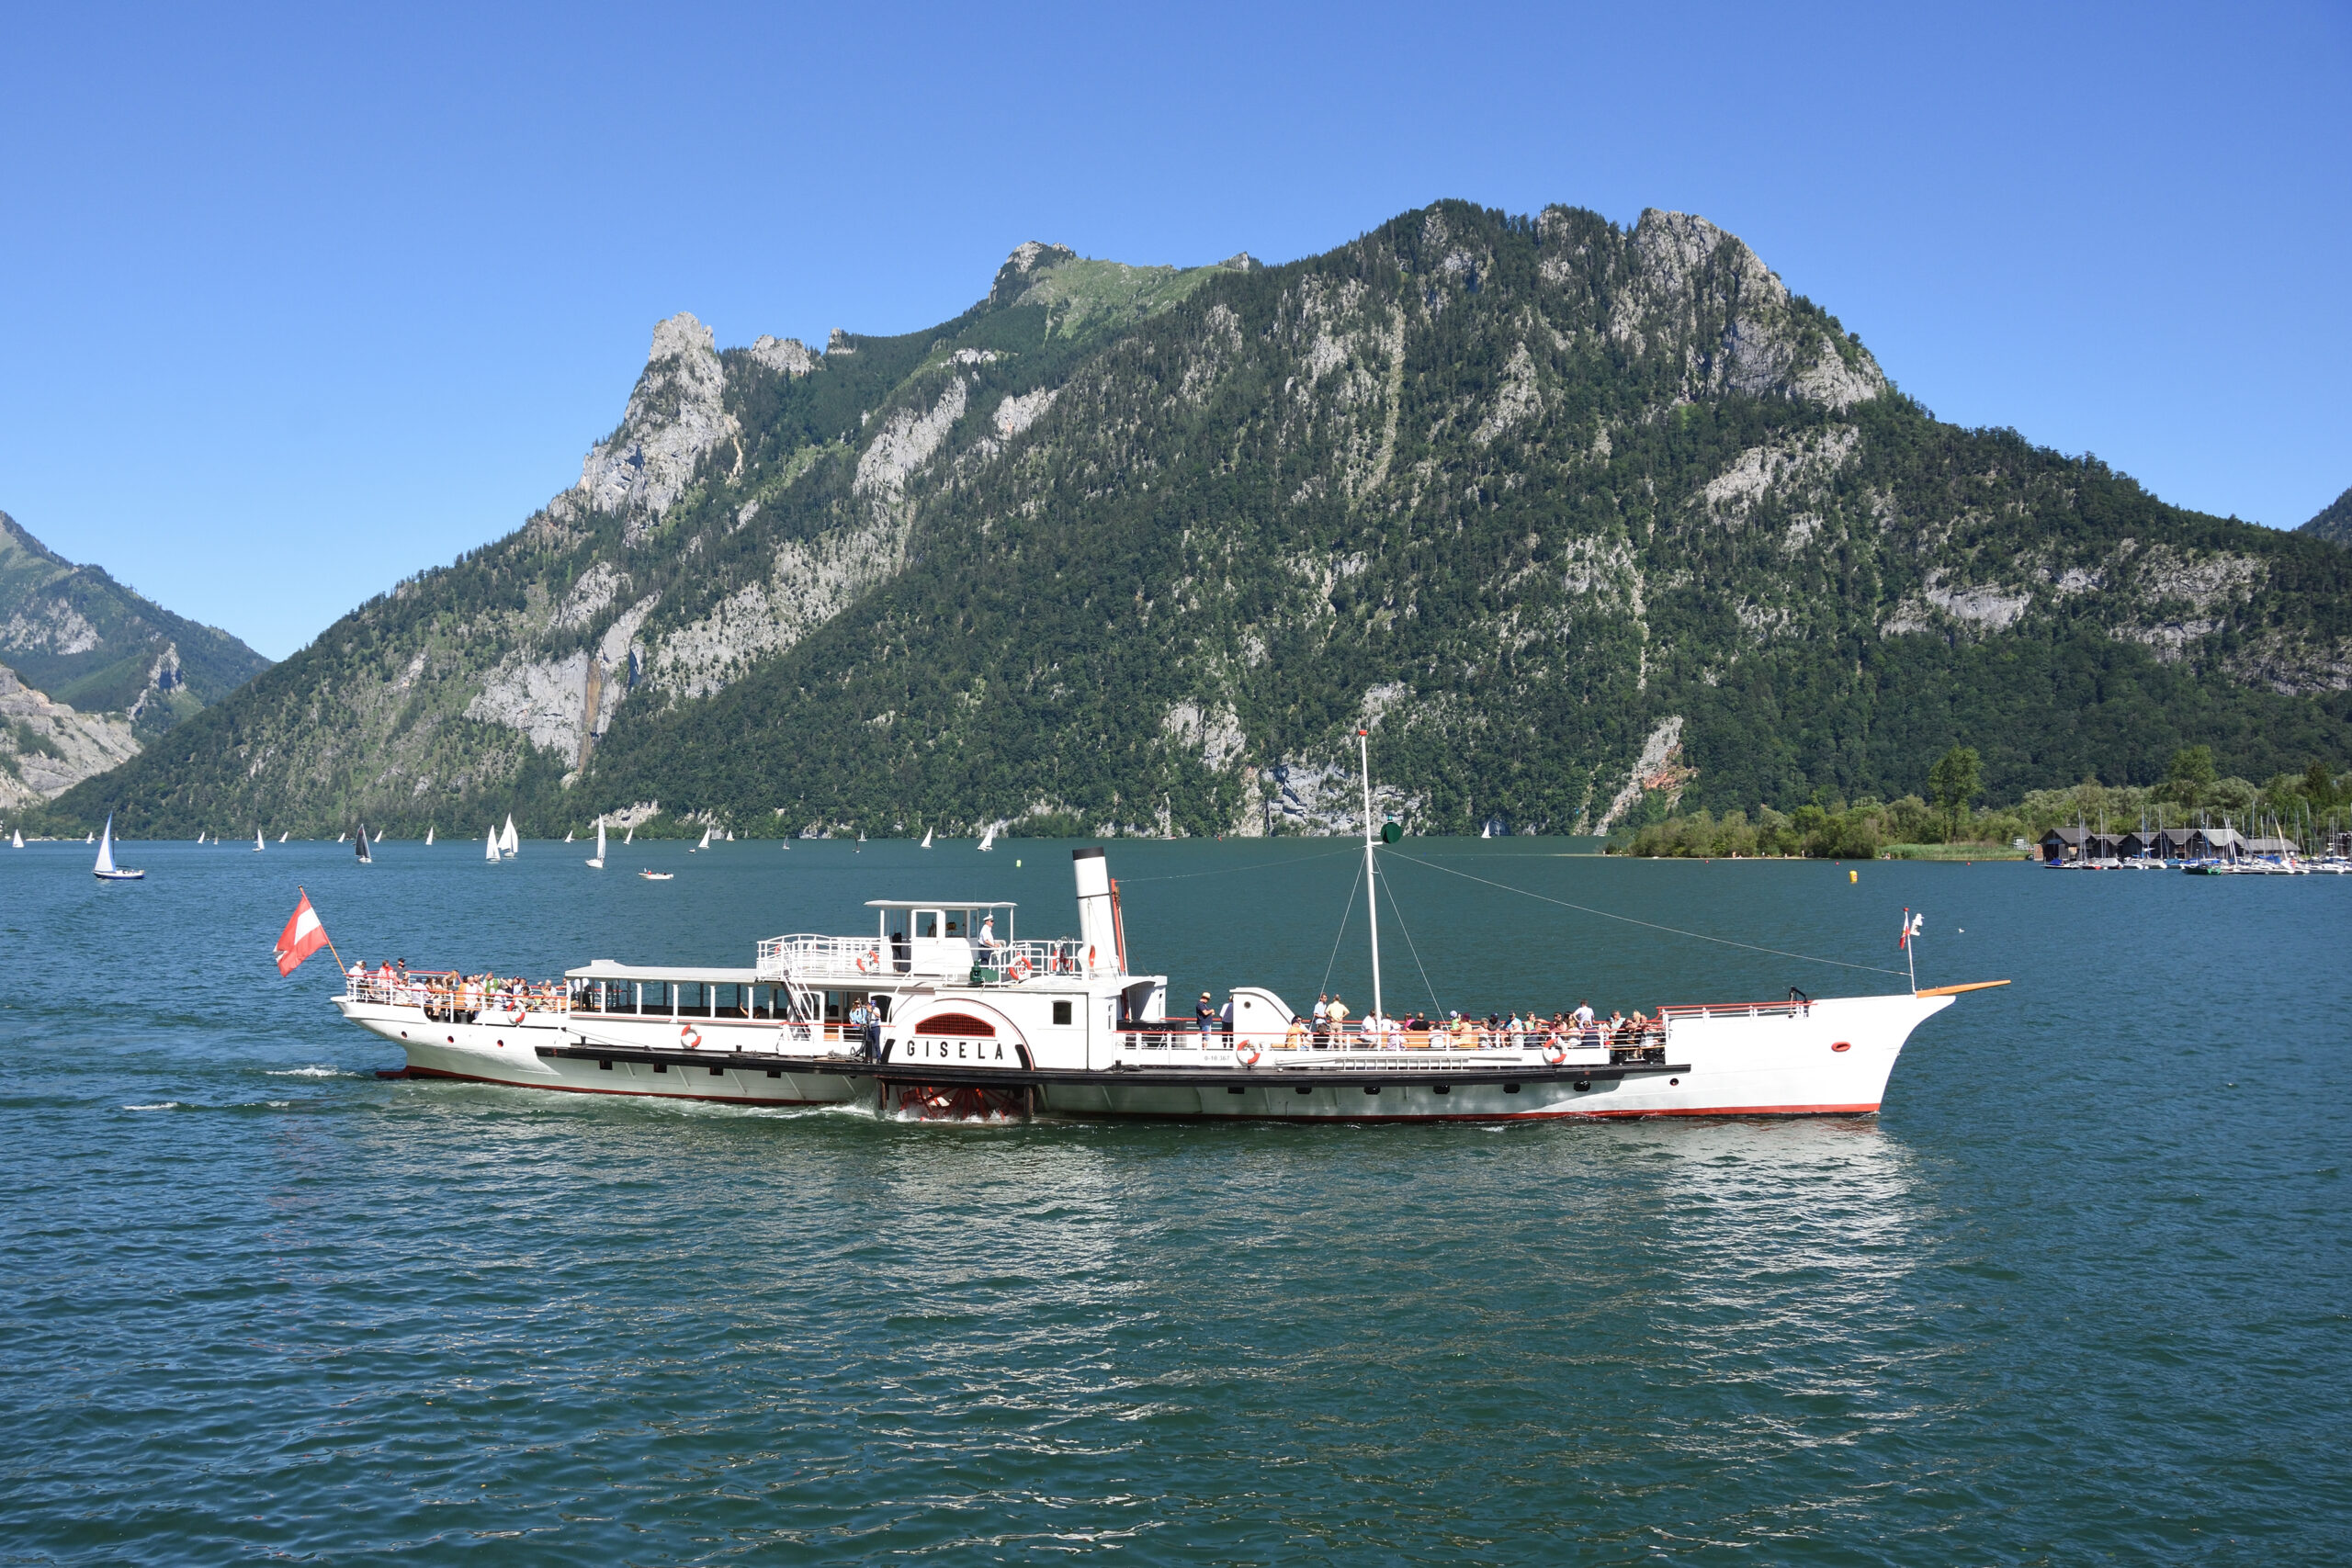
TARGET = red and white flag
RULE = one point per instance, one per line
(303, 936)
(1912, 926)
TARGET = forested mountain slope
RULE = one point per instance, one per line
(1576, 519)
(2333, 521)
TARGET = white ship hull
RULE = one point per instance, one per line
(1832, 1057)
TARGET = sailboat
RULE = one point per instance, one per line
(16, 840)
(507, 842)
(106, 870)
(730, 835)
(705, 840)
(281, 838)
(428, 837)
(365, 858)
(257, 841)
(339, 837)
(489, 847)
(926, 837)
(630, 836)
(567, 835)
(89, 838)
(598, 864)
(987, 839)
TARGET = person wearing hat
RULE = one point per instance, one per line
(1204, 1016)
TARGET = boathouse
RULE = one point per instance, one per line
(2065, 846)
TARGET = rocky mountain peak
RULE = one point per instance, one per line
(786, 355)
(676, 414)
(1022, 267)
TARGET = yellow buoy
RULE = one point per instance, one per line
(1853, 876)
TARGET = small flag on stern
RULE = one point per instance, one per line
(303, 936)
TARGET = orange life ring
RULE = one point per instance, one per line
(689, 1036)
(1246, 1055)
(869, 961)
(1555, 1052)
(516, 1016)
(1020, 968)
(1089, 958)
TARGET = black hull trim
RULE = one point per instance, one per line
(940, 1073)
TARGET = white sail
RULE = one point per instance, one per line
(599, 862)
(730, 835)
(567, 835)
(988, 839)
(281, 838)
(705, 840)
(630, 838)
(489, 844)
(106, 849)
(507, 842)
(339, 838)
(365, 857)
(257, 841)
(89, 838)
(16, 840)
(926, 837)
(428, 837)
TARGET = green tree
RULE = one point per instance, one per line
(2190, 774)
(1956, 778)
(2319, 788)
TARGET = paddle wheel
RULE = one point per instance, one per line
(960, 1103)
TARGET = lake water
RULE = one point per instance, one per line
(2079, 1295)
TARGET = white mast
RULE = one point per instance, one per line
(1371, 869)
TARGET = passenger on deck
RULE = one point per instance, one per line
(1339, 1017)
(1204, 1017)
(989, 942)
(1295, 1038)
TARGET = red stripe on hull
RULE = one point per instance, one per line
(1475, 1116)
(416, 1072)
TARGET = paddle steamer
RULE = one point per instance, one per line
(971, 1024)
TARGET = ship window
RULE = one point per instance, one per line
(1061, 1013)
(654, 997)
(954, 926)
(694, 999)
(926, 922)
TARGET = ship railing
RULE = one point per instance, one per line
(1184, 1035)
(448, 996)
(1794, 1008)
(1011, 962)
(808, 957)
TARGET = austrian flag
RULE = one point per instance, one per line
(303, 936)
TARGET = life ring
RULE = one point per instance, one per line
(1020, 968)
(869, 961)
(1246, 1055)
(689, 1036)
(1089, 959)
(516, 1016)
(1555, 1052)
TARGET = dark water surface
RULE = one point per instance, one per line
(2079, 1295)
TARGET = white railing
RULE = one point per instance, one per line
(851, 959)
(1595, 1045)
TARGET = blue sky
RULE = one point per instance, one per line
(294, 303)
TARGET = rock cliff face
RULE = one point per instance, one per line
(1576, 520)
(2333, 521)
(46, 748)
(93, 669)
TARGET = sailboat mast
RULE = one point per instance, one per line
(1371, 869)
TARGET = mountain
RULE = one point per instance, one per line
(2334, 522)
(93, 669)
(1578, 520)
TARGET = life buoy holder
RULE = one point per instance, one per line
(689, 1036)
(1021, 969)
(1247, 1056)
(1555, 1052)
(869, 961)
(1089, 959)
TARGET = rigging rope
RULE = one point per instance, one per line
(1398, 915)
(1342, 936)
(1653, 925)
